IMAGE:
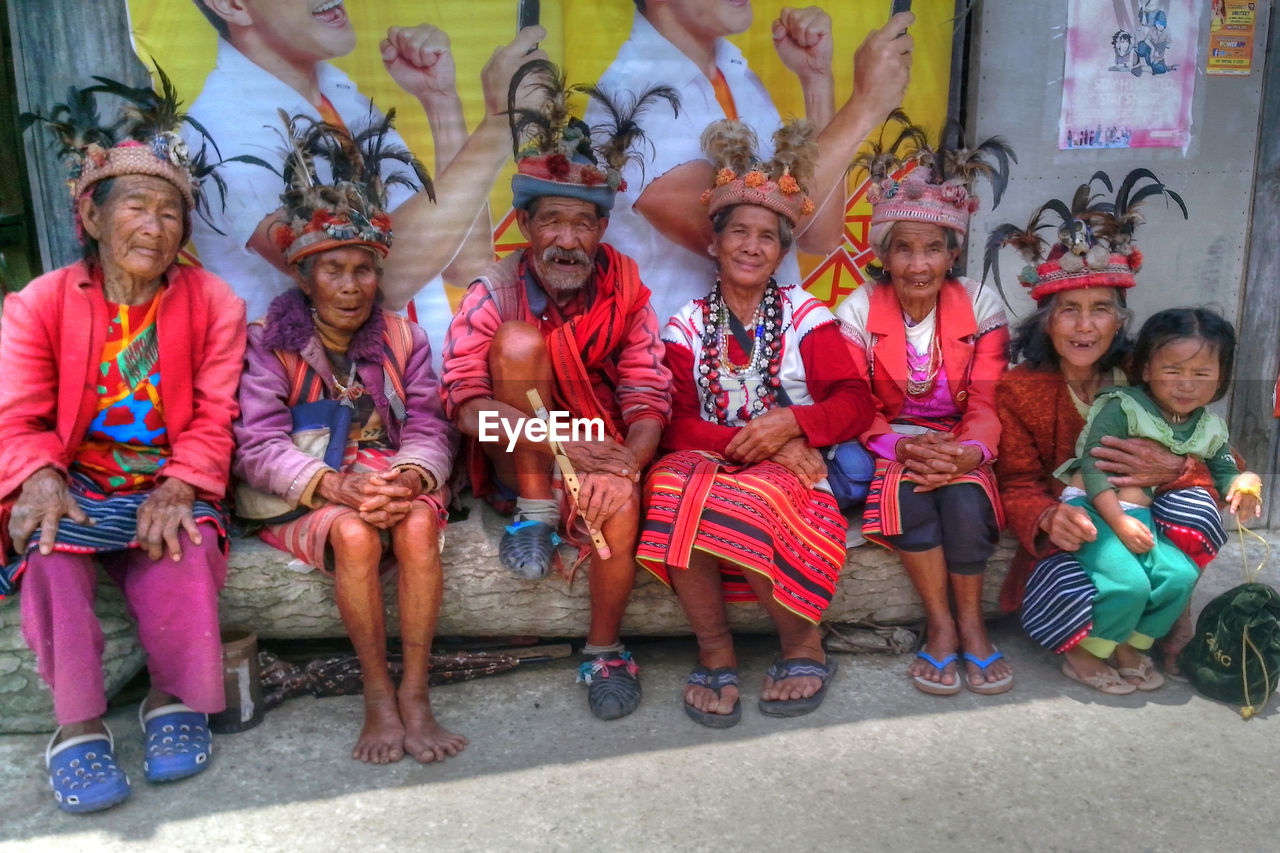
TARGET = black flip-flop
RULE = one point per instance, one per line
(714, 680)
(798, 668)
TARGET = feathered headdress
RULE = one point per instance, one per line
(742, 178)
(555, 151)
(144, 140)
(350, 208)
(940, 186)
(1095, 245)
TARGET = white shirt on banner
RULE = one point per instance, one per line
(239, 106)
(673, 273)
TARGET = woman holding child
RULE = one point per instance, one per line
(1071, 350)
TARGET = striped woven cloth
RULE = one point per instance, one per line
(114, 527)
(756, 518)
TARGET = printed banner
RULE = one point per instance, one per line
(1130, 73)
(1231, 34)
(583, 36)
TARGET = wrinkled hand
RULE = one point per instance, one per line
(383, 496)
(1135, 535)
(1069, 527)
(1139, 462)
(43, 502)
(932, 459)
(802, 460)
(166, 512)
(1244, 498)
(803, 40)
(602, 457)
(393, 494)
(495, 77)
(600, 496)
(763, 436)
(882, 67)
(420, 61)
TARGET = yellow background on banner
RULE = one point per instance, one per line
(583, 37)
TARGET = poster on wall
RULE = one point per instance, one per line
(1130, 73)
(1231, 34)
(361, 52)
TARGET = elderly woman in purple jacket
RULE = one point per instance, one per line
(383, 503)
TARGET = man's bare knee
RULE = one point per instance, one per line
(517, 343)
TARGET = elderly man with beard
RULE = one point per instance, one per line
(567, 316)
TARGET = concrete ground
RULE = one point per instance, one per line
(1050, 766)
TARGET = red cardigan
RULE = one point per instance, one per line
(974, 360)
(51, 339)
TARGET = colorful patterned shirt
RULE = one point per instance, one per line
(127, 442)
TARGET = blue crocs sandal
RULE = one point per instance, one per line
(84, 774)
(937, 688)
(989, 688)
(714, 680)
(527, 547)
(177, 742)
(613, 684)
(798, 668)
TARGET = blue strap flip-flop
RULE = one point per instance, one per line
(798, 668)
(177, 742)
(714, 680)
(83, 773)
(936, 688)
(988, 688)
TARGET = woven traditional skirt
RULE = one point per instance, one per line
(881, 516)
(307, 537)
(756, 518)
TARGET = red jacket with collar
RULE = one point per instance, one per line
(973, 357)
(51, 339)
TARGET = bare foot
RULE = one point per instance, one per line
(382, 738)
(940, 643)
(424, 738)
(704, 698)
(973, 639)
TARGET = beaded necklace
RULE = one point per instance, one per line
(764, 361)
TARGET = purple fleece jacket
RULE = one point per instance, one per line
(265, 456)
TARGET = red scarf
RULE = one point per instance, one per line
(592, 338)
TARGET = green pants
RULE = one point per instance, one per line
(1140, 596)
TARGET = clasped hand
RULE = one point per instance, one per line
(382, 498)
(933, 459)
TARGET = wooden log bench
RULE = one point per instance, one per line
(268, 594)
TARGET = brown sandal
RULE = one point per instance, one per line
(1108, 682)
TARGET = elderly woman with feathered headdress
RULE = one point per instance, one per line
(1073, 348)
(932, 344)
(343, 449)
(741, 510)
(122, 372)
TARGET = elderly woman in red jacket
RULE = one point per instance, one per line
(116, 416)
(932, 345)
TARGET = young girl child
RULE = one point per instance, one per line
(1184, 358)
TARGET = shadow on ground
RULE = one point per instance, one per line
(1051, 765)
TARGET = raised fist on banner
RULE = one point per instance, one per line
(882, 66)
(802, 38)
(495, 77)
(419, 60)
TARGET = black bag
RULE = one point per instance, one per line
(1235, 655)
